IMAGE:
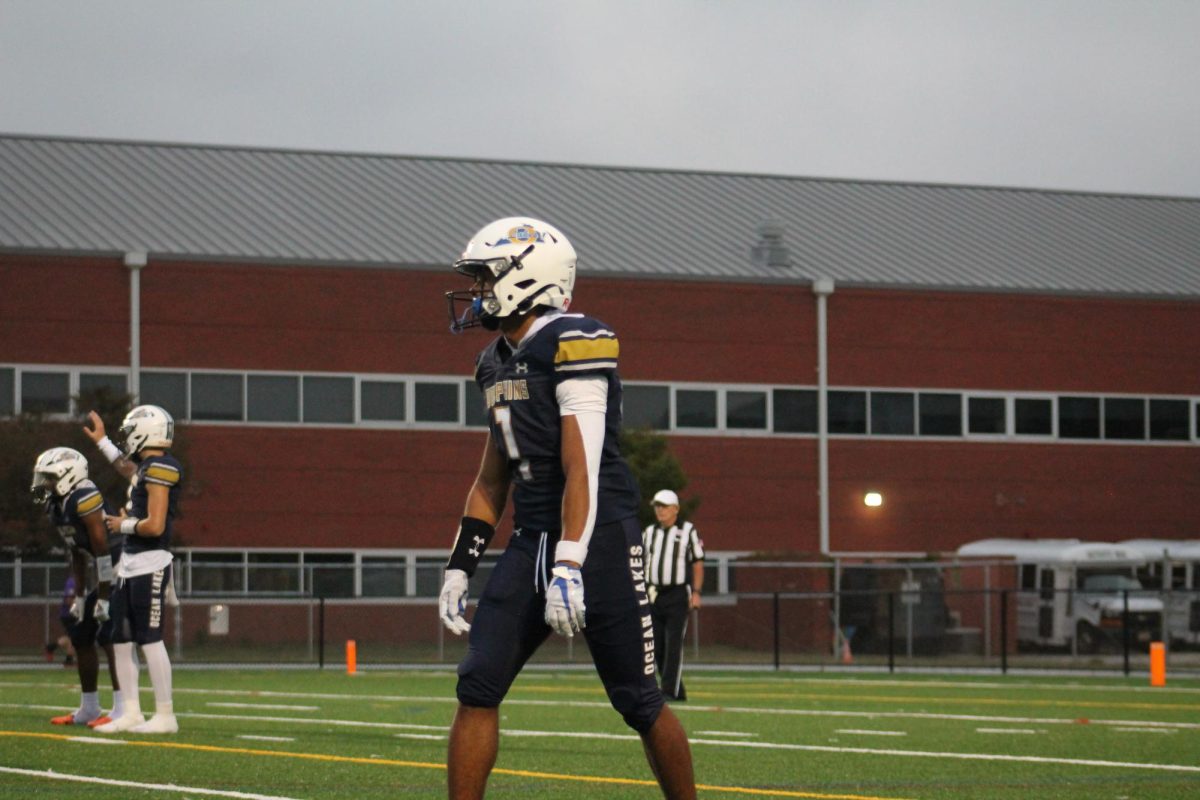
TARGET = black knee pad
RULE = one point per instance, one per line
(475, 687)
(640, 710)
(104, 636)
(82, 634)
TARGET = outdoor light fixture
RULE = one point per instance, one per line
(873, 499)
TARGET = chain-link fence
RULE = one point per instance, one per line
(937, 615)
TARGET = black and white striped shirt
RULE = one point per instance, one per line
(669, 553)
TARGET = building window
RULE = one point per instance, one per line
(746, 410)
(8, 383)
(986, 415)
(695, 408)
(167, 390)
(110, 383)
(274, 573)
(892, 413)
(384, 576)
(436, 402)
(1124, 418)
(795, 410)
(328, 399)
(475, 406)
(1079, 417)
(1169, 420)
(646, 407)
(940, 414)
(272, 398)
(1032, 416)
(330, 574)
(45, 392)
(847, 412)
(216, 397)
(381, 401)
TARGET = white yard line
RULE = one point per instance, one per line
(692, 709)
(1007, 730)
(715, 742)
(433, 736)
(263, 705)
(158, 787)
(861, 732)
(966, 684)
(266, 738)
(871, 751)
(1144, 730)
(726, 733)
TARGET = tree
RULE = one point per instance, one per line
(23, 526)
(655, 467)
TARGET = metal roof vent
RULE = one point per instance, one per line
(770, 250)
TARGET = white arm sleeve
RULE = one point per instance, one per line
(586, 399)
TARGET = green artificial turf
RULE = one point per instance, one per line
(755, 734)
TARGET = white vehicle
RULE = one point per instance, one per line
(1173, 567)
(1073, 594)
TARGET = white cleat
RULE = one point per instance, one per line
(122, 723)
(159, 723)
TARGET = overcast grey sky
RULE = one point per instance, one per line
(1096, 95)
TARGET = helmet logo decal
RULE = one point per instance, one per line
(522, 234)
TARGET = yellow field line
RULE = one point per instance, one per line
(390, 762)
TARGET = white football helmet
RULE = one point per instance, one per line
(56, 472)
(146, 426)
(517, 263)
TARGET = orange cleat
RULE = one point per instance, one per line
(65, 719)
(103, 719)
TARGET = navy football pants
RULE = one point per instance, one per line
(509, 625)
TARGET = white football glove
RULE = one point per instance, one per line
(453, 602)
(78, 608)
(100, 612)
(564, 600)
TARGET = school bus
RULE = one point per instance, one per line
(1075, 594)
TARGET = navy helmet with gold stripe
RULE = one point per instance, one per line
(517, 263)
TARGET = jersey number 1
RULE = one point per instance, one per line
(502, 415)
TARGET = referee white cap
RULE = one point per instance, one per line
(665, 497)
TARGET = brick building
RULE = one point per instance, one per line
(999, 362)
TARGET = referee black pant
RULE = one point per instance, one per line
(670, 610)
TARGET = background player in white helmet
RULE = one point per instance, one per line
(76, 509)
(144, 572)
(553, 397)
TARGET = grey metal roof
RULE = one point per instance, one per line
(185, 201)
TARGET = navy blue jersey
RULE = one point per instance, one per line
(519, 390)
(66, 515)
(163, 470)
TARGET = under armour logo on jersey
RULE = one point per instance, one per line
(479, 542)
(522, 367)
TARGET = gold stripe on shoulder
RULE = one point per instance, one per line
(162, 472)
(587, 350)
(89, 504)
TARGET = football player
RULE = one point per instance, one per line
(76, 509)
(144, 572)
(553, 399)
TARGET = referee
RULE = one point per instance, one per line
(672, 551)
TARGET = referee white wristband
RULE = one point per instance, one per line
(109, 449)
(129, 525)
